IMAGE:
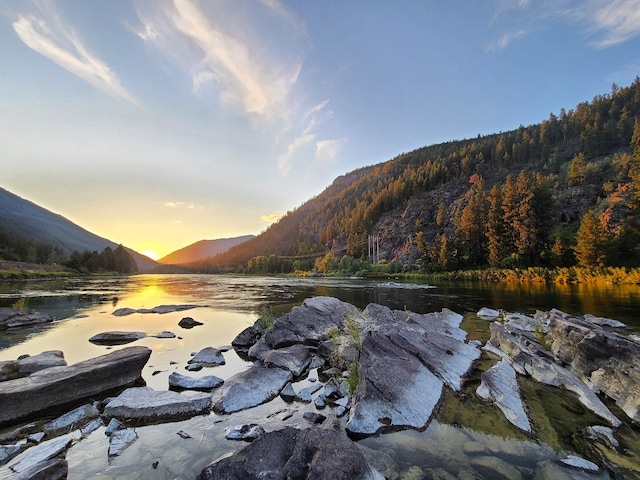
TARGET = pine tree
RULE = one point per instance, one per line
(495, 228)
(591, 246)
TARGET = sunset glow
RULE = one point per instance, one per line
(178, 121)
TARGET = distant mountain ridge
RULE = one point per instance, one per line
(202, 249)
(31, 221)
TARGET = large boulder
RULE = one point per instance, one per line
(142, 405)
(250, 388)
(309, 323)
(62, 385)
(312, 454)
(26, 365)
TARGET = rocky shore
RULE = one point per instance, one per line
(356, 374)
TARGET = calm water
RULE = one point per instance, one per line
(227, 304)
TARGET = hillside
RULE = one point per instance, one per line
(514, 198)
(202, 249)
(30, 221)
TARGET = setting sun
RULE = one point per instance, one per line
(151, 254)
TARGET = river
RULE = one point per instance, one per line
(226, 305)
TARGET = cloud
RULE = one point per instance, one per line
(189, 206)
(328, 150)
(59, 43)
(249, 78)
(270, 218)
(611, 23)
(615, 21)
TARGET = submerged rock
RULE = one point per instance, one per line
(314, 453)
(141, 405)
(499, 386)
(26, 365)
(66, 384)
(12, 318)
(250, 388)
(116, 338)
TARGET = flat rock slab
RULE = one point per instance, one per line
(27, 365)
(122, 312)
(208, 357)
(295, 358)
(40, 453)
(53, 469)
(116, 338)
(499, 386)
(75, 419)
(66, 384)
(120, 440)
(12, 318)
(250, 388)
(314, 453)
(142, 405)
(178, 381)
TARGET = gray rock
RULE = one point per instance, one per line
(75, 419)
(331, 388)
(314, 453)
(188, 322)
(247, 433)
(36, 437)
(207, 383)
(305, 395)
(309, 323)
(499, 386)
(12, 318)
(488, 313)
(524, 322)
(208, 357)
(25, 366)
(295, 358)
(604, 435)
(66, 384)
(288, 394)
(91, 427)
(123, 312)
(53, 469)
(44, 451)
(250, 388)
(7, 452)
(314, 417)
(193, 367)
(551, 470)
(604, 322)
(143, 405)
(580, 463)
(246, 338)
(165, 334)
(320, 402)
(116, 338)
(113, 426)
(120, 440)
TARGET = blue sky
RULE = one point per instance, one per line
(163, 122)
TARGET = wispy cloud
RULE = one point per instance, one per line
(180, 205)
(613, 21)
(328, 150)
(608, 23)
(49, 36)
(249, 78)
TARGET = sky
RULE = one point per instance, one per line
(159, 123)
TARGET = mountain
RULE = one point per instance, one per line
(28, 220)
(203, 249)
(510, 199)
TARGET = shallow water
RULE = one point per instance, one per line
(464, 432)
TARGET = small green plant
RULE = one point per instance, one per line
(21, 305)
(354, 330)
(266, 320)
(539, 332)
(336, 355)
(353, 377)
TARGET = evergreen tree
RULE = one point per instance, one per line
(591, 246)
(495, 228)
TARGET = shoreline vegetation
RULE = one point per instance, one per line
(540, 275)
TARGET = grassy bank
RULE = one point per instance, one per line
(26, 271)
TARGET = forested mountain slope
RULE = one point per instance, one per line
(519, 198)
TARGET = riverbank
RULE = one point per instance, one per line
(25, 271)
